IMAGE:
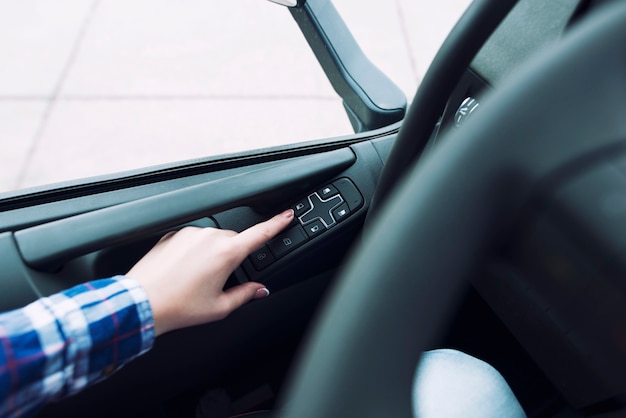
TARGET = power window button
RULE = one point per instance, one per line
(301, 207)
(341, 212)
(314, 228)
(327, 191)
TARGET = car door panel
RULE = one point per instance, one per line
(103, 234)
(47, 245)
(49, 256)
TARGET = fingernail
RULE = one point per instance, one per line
(288, 213)
(262, 293)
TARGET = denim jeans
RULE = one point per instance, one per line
(451, 384)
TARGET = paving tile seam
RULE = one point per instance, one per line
(39, 133)
(407, 42)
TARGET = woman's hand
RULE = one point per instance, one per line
(184, 274)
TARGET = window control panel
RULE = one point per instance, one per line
(314, 214)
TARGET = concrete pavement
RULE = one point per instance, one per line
(101, 86)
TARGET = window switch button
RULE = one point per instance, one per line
(341, 212)
(301, 207)
(314, 228)
(327, 191)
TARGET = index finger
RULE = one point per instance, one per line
(257, 235)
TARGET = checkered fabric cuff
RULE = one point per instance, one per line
(105, 324)
(58, 345)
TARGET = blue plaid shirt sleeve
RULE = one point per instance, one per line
(58, 345)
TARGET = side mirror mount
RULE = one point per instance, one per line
(370, 98)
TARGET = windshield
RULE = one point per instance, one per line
(92, 88)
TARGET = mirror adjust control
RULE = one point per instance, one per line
(261, 258)
(287, 241)
(327, 191)
(314, 228)
(341, 212)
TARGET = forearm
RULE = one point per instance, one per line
(56, 346)
(59, 345)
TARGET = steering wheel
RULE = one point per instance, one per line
(467, 37)
(450, 213)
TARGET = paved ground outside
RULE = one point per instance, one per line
(101, 86)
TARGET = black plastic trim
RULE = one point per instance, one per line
(115, 182)
(16, 289)
(49, 245)
(370, 98)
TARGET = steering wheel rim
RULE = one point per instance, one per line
(362, 354)
(467, 37)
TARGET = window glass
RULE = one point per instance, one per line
(96, 87)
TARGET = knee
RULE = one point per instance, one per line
(449, 383)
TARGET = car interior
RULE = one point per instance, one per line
(476, 218)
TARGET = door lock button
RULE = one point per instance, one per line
(262, 258)
(288, 241)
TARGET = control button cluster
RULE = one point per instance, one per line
(315, 214)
